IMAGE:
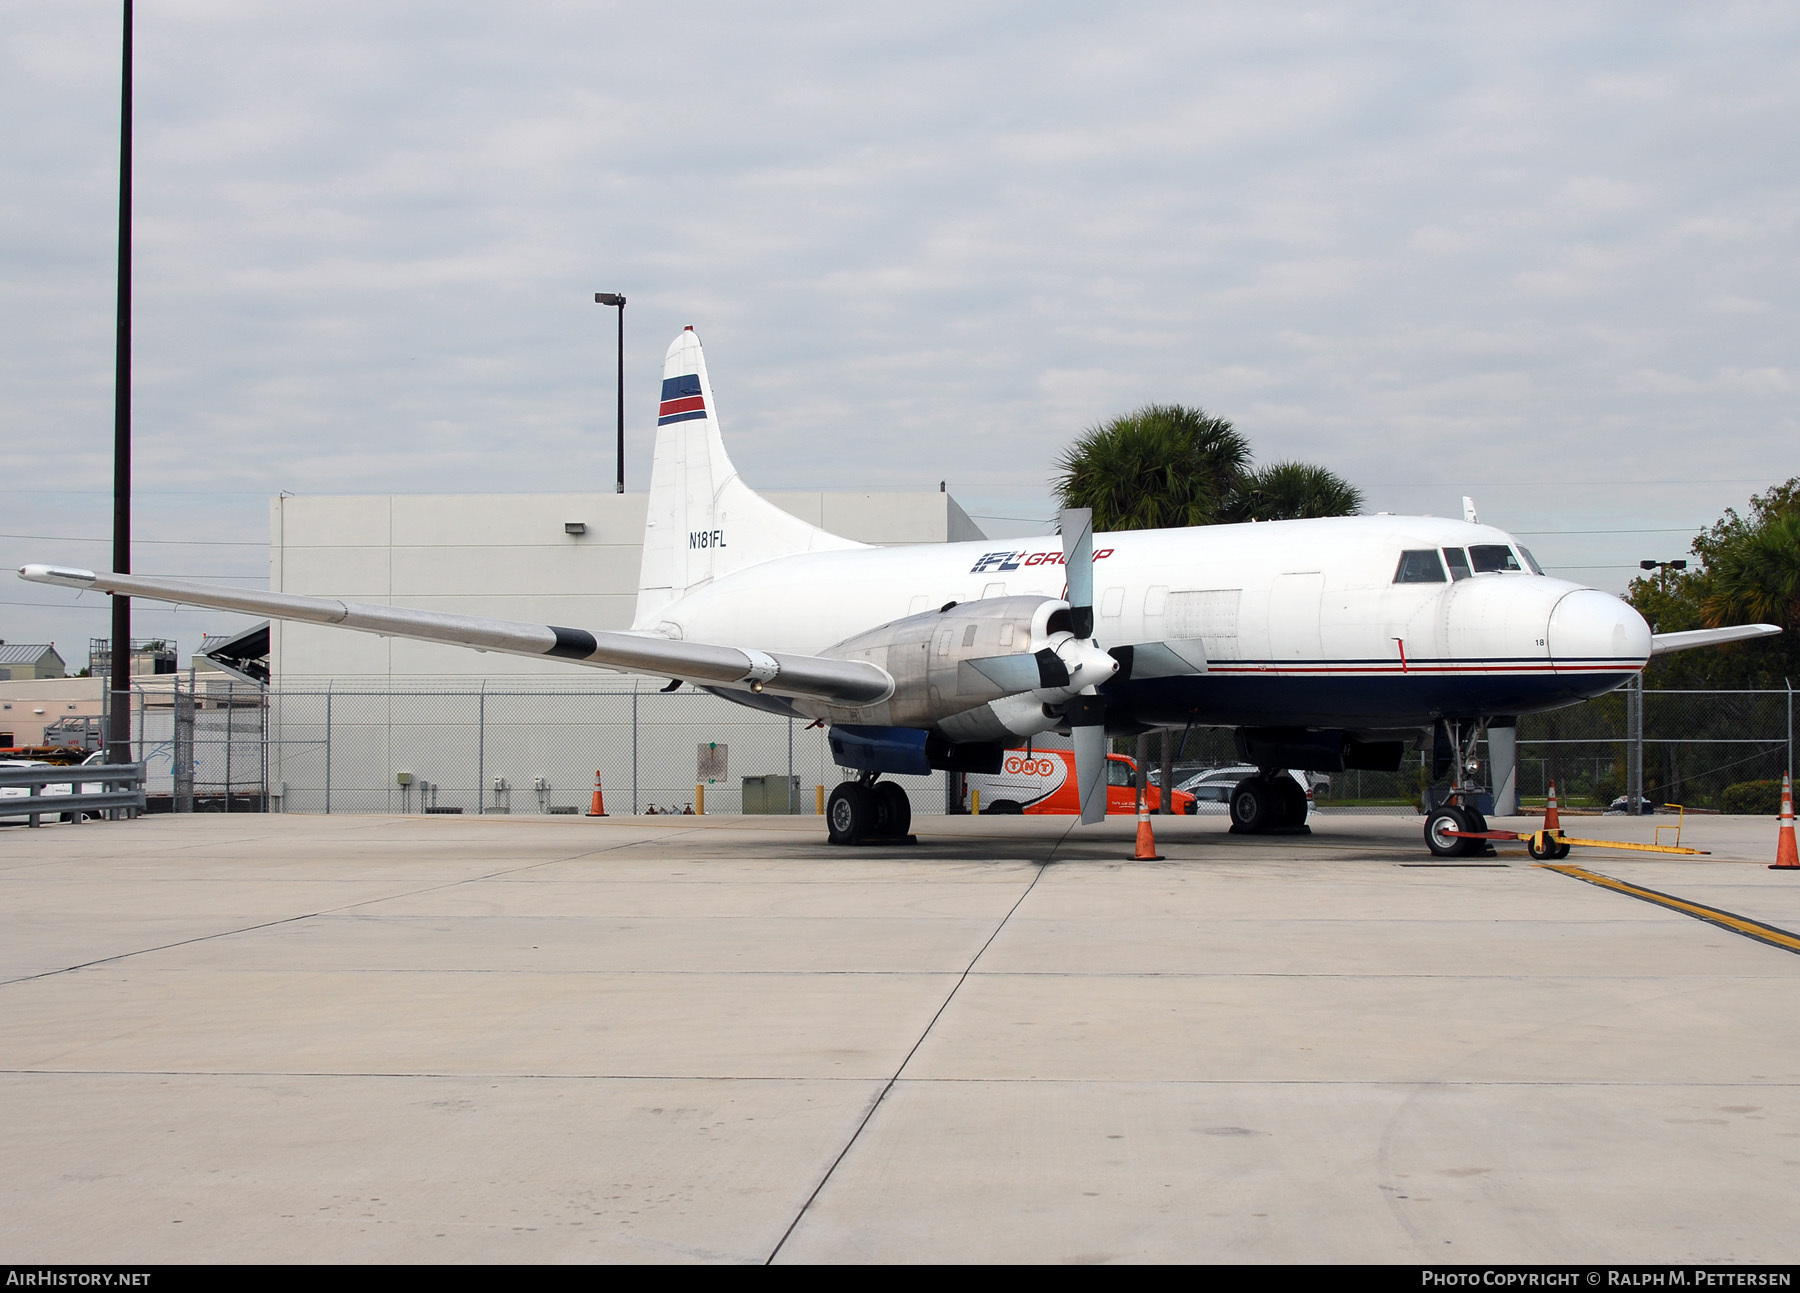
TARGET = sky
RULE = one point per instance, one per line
(1540, 254)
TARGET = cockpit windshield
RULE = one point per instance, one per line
(1489, 558)
(1421, 567)
(1458, 563)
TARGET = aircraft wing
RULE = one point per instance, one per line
(1663, 643)
(851, 682)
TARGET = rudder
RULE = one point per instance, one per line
(703, 522)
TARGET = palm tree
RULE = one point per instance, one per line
(1167, 465)
(1290, 491)
(1757, 578)
(1161, 467)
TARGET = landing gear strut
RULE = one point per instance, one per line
(868, 811)
(1458, 813)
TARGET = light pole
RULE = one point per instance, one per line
(1634, 708)
(118, 682)
(613, 298)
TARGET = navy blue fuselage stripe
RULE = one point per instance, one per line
(572, 644)
(675, 388)
(681, 417)
(1380, 701)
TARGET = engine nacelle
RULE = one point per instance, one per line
(1027, 655)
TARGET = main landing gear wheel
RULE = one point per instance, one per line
(1290, 798)
(1253, 806)
(859, 811)
(850, 812)
(1261, 804)
(895, 810)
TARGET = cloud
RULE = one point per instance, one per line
(1422, 244)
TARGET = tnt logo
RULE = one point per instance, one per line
(1021, 766)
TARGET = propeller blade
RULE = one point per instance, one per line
(1174, 658)
(1018, 672)
(1078, 561)
(1087, 725)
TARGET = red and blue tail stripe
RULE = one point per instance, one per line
(681, 400)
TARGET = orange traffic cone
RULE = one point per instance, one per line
(598, 807)
(1786, 857)
(1551, 821)
(1146, 839)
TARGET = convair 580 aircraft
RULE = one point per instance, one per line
(1325, 643)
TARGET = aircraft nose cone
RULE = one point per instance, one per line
(1592, 629)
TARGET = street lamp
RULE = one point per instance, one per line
(118, 682)
(1662, 565)
(613, 298)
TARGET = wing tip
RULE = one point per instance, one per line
(66, 576)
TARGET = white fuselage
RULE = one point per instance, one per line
(1303, 622)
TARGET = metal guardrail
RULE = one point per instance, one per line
(93, 788)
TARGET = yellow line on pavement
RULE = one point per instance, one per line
(1737, 924)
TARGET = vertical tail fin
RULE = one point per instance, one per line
(703, 521)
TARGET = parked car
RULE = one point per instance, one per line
(1212, 788)
(1623, 805)
(1043, 781)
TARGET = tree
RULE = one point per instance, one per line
(1161, 467)
(1291, 491)
(1168, 465)
(1749, 573)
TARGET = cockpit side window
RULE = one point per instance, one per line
(1458, 562)
(1531, 561)
(1489, 558)
(1422, 567)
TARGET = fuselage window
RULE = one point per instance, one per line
(1458, 562)
(1531, 561)
(1420, 568)
(1490, 558)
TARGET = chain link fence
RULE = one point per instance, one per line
(494, 749)
(1723, 750)
(212, 745)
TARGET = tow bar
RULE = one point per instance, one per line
(1553, 844)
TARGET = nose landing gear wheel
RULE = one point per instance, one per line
(1437, 832)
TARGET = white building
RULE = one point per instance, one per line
(361, 723)
(566, 559)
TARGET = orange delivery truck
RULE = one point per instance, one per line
(1043, 781)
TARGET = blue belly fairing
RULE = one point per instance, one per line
(1387, 700)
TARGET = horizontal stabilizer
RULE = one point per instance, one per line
(850, 682)
(1663, 643)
